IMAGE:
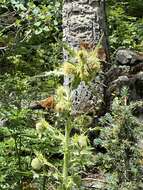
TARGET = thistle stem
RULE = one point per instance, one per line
(66, 154)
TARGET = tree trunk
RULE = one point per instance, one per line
(84, 22)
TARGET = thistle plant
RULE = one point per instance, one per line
(85, 68)
(75, 149)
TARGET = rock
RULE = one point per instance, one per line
(128, 57)
(128, 71)
(115, 72)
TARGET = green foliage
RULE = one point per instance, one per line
(120, 137)
(135, 8)
(30, 36)
(32, 149)
(125, 30)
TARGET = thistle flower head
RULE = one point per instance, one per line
(81, 56)
(82, 140)
(93, 61)
(41, 126)
(69, 69)
(63, 106)
(63, 102)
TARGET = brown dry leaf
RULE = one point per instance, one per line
(48, 103)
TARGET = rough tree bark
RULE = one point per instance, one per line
(84, 21)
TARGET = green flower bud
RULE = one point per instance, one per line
(36, 164)
(41, 126)
(82, 140)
